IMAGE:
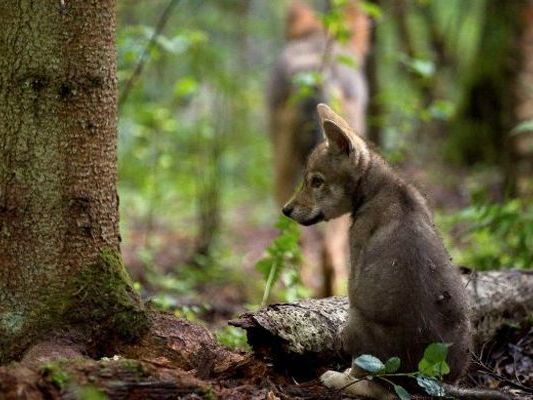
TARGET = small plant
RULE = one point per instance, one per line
(283, 254)
(431, 368)
(232, 337)
(56, 374)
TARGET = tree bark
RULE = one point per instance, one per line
(308, 331)
(60, 259)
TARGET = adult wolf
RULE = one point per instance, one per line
(403, 290)
(294, 130)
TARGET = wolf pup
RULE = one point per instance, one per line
(404, 292)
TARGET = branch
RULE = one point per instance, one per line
(144, 56)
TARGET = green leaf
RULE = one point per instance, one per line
(185, 87)
(430, 385)
(369, 363)
(523, 127)
(433, 369)
(392, 365)
(424, 68)
(402, 393)
(442, 109)
(434, 361)
(372, 10)
(347, 60)
(436, 352)
(283, 253)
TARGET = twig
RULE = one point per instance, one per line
(144, 56)
(489, 371)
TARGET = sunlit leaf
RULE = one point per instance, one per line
(372, 9)
(369, 363)
(431, 386)
(523, 127)
(402, 393)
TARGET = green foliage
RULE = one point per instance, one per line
(430, 385)
(189, 124)
(233, 337)
(392, 365)
(305, 84)
(492, 235)
(401, 392)
(431, 368)
(281, 255)
(372, 10)
(523, 127)
(370, 363)
(434, 361)
(422, 68)
(54, 371)
(335, 22)
(90, 393)
(216, 271)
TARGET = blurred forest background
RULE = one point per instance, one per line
(451, 105)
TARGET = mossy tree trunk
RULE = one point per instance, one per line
(60, 265)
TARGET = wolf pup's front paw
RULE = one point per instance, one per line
(335, 379)
(353, 386)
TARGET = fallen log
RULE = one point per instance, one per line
(307, 332)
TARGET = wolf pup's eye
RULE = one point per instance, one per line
(316, 182)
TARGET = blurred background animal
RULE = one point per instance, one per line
(314, 68)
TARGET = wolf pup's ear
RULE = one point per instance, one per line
(337, 137)
(325, 112)
(340, 135)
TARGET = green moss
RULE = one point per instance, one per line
(134, 366)
(209, 394)
(104, 297)
(90, 393)
(56, 374)
(99, 301)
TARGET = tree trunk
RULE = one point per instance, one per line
(308, 331)
(520, 165)
(60, 259)
(485, 114)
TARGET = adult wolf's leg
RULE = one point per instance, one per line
(336, 254)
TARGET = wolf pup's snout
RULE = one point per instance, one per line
(287, 209)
